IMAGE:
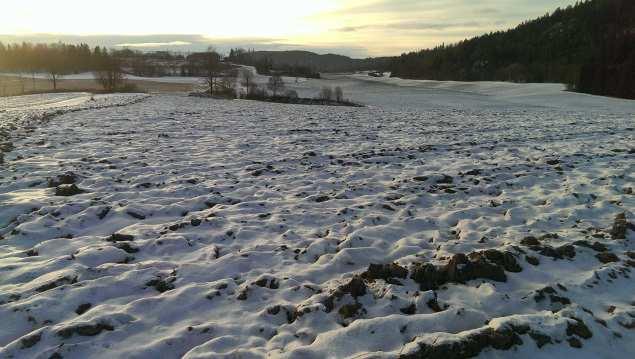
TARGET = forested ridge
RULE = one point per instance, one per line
(589, 46)
(302, 63)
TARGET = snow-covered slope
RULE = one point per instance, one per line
(185, 227)
(533, 94)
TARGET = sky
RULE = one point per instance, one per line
(357, 28)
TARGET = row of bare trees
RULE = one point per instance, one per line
(221, 78)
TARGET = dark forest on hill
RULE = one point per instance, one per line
(589, 46)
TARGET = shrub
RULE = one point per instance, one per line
(292, 94)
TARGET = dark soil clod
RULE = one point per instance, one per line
(83, 308)
(67, 178)
(607, 257)
(68, 190)
(31, 340)
(409, 310)
(579, 328)
(468, 346)
(620, 226)
(119, 237)
(490, 264)
(86, 330)
(387, 272)
(162, 284)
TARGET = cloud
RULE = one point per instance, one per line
(382, 6)
(188, 43)
(353, 28)
(184, 42)
(522, 9)
(414, 25)
(154, 44)
(487, 11)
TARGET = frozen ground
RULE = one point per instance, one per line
(197, 228)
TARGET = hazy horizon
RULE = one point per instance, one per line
(357, 28)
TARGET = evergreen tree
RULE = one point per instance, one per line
(589, 46)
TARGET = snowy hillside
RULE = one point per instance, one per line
(435, 222)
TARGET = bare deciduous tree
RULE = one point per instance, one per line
(339, 94)
(54, 65)
(228, 82)
(109, 74)
(275, 84)
(252, 90)
(212, 68)
(247, 79)
(259, 92)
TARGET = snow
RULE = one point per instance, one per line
(535, 94)
(46, 76)
(212, 228)
(91, 76)
(193, 80)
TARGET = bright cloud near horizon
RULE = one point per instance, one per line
(353, 27)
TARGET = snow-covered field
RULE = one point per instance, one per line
(437, 222)
(91, 76)
(192, 80)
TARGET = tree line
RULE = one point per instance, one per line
(59, 59)
(589, 46)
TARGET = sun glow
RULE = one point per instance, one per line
(275, 18)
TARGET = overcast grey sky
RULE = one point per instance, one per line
(353, 27)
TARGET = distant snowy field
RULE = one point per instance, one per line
(193, 80)
(197, 228)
